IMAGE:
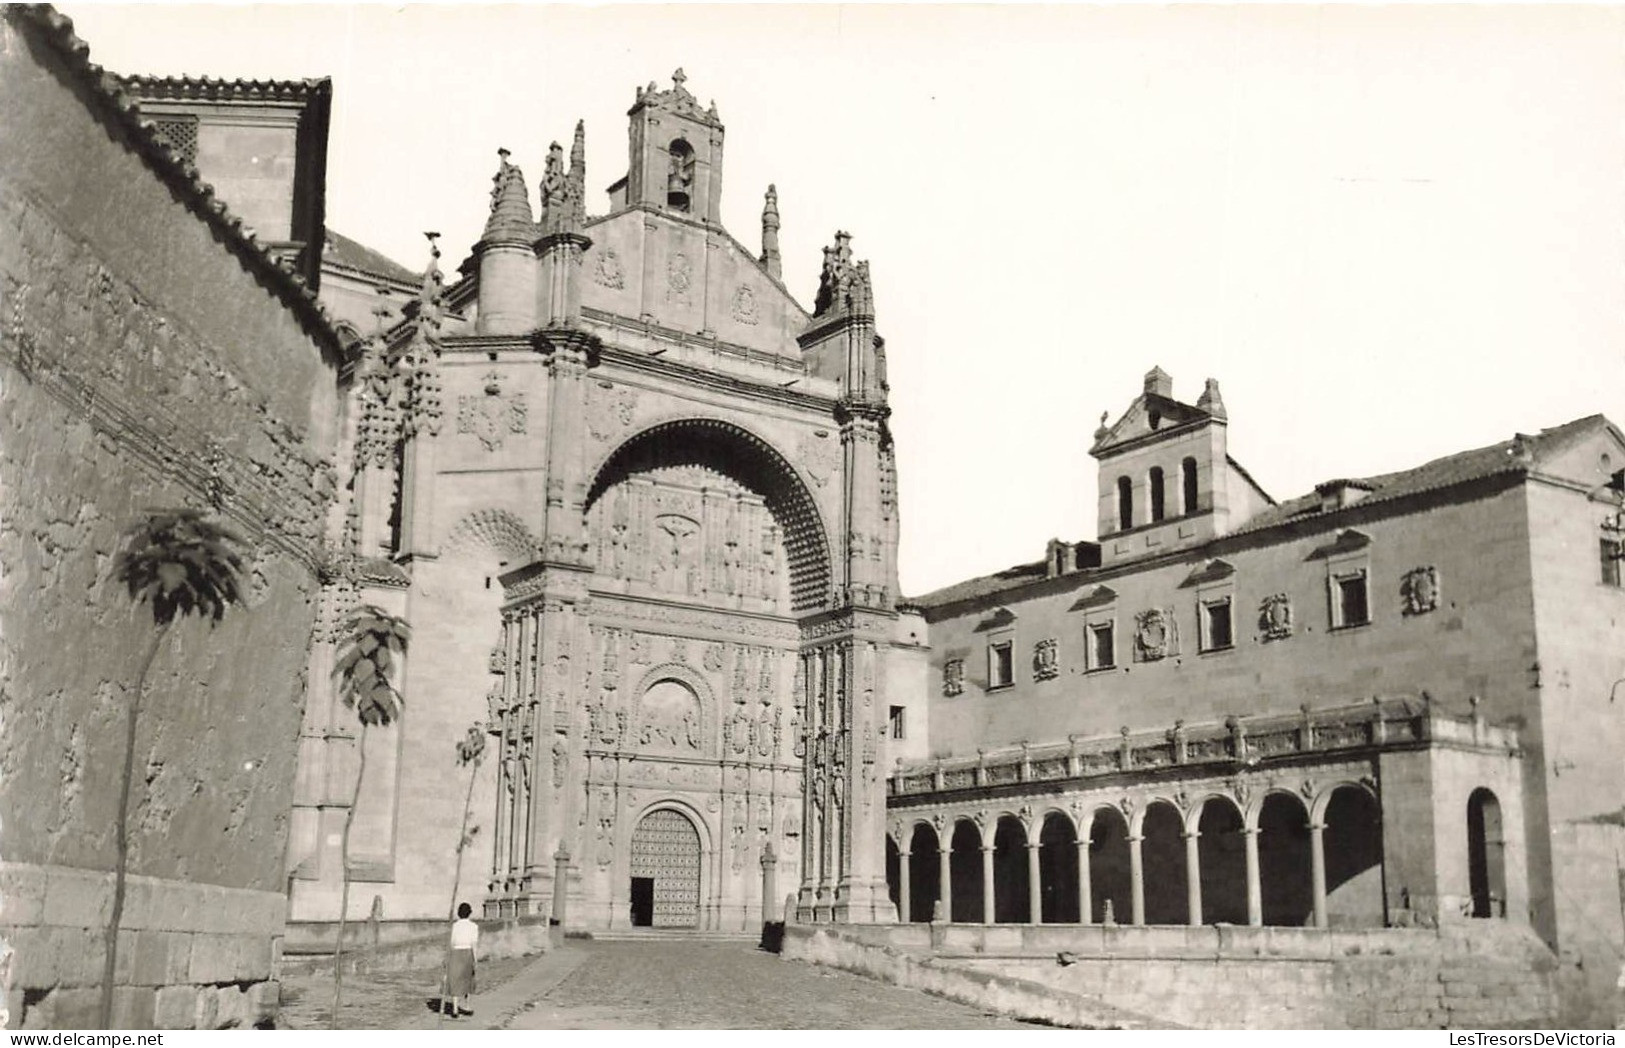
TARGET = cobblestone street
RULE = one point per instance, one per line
(714, 985)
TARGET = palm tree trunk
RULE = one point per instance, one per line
(344, 892)
(122, 826)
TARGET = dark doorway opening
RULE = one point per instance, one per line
(643, 902)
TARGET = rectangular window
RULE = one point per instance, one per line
(897, 714)
(1216, 632)
(1000, 667)
(1353, 608)
(1612, 551)
(1102, 647)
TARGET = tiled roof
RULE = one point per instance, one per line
(340, 249)
(1520, 453)
(211, 89)
(55, 30)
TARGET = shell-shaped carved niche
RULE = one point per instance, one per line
(493, 533)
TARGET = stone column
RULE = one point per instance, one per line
(561, 884)
(945, 882)
(1035, 893)
(1317, 872)
(1136, 877)
(1255, 893)
(1086, 902)
(902, 887)
(987, 884)
(1193, 880)
(770, 880)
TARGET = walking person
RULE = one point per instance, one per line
(465, 935)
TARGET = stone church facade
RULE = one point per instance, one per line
(639, 507)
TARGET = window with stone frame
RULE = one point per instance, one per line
(1218, 624)
(1611, 551)
(1000, 662)
(1102, 647)
(896, 723)
(1351, 598)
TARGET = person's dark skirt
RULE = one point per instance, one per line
(460, 979)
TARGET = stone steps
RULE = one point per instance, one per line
(669, 935)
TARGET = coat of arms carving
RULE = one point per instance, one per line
(608, 271)
(1275, 617)
(492, 415)
(1420, 590)
(818, 456)
(1155, 635)
(744, 305)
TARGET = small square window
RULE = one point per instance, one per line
(1000, 668)
(1612, 550)
(1216, 631)
(1102, 646)
(1351, 603)
(897, 721)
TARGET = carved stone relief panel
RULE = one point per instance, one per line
(693, 533)
(1046, 660)
(1275, 617)
(670, 718)
(953, 677)
(608, 270)
(1419, 590)
(1156, 635)
(492, 414)
(610, 410)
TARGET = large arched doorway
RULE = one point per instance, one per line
(924, 874)
(1486, 855)
(665, 871)
(1058, 870)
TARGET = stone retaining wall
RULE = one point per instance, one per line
(1488, 974)
(190, 955)
(411, 946)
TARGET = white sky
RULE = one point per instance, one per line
(1391, 233)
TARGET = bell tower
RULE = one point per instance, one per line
(676, 153)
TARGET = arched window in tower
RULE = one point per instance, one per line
(1125, 504)
(1187, 476)
(1154, 480)
(680, 176)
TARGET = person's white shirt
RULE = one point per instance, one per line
(465, 934)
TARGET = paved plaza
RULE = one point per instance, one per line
(641, 985)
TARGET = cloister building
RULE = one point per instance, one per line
(1387, 702)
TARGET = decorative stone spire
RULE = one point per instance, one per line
(577, 179)
(1210, 401)
(843, 286)
(510, 202)
(556, 206)
(770, 234)
(422, 356)
(379, 422)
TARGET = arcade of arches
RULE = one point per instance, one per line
(1216, 862)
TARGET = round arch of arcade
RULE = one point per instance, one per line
(1270, 856)
(753, 461)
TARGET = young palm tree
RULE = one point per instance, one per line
(181, 564)
(375, 640)
(470, 748)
